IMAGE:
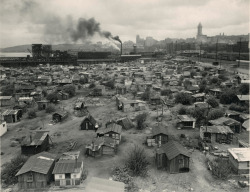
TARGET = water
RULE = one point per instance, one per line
(14, 54)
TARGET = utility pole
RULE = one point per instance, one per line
(239, 53)
(200, 53)
(216, 50)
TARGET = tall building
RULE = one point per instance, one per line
(200, 37)
(199, 33)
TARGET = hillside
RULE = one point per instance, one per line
(19, 48)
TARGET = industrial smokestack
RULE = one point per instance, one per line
(119, 40)
(121, 48)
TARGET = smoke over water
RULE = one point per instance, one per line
(52, 27)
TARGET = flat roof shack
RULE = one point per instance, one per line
(185, 121)
(37, 171)
(12, 116)
(234, 125)
(173, 157)
(7, 101)
(219, 134)
(239, 158)
(243, 99)
(35, 144)
(89, 123)
(101, 146)
(215, 92)
(233, 115)
(158, 137)
(59, 116)
(68, 170)
(43, 104)
(199, 97)
(29, 101)
(3, 128)
(104, 185)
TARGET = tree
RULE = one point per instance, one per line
(10, 169)
(187, 83)
(141, 118)
(228, 96)
(203, 73)
(244, 89)
(52, 97)
(83, 80)
(220, 167)
(203, 85)
(92, 85)
(183, 98)
(182, 110)
(213, 102)
(8, 90)
(146, 95)
(44, 92)
(193, 73)
(134, 92)
(239, 108)
(199, 114)
(137, 161)
(111, 84)
(215, 114)
(214, 80)
(32, 114)
(50, 109)
(70, 89)
(222, 77)
(166, 92)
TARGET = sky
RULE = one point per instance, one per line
(57, 21)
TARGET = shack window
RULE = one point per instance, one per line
(30, 178)
(67, 175)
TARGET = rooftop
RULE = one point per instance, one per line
(240, 154)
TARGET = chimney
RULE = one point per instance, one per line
(75, 161)
(121, 48)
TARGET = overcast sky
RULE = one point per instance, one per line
(45, 21)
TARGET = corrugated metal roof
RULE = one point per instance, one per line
(173, 149)
(37, 139)
(113, 127)
(158, 130)
(243, 97)
(5, 97)
(10, 112)
(40, 163)
(185, 118)
(67, 166)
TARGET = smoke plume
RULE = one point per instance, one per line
(55, 28)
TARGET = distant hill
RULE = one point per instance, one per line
(19, 48)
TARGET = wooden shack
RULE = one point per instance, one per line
(89, 123)
(219, 134)
(112, 130)
(185, 121)
(42, 104)
(12, 116)
(59, 116)
(101, 146)
(37, 171)
(172, 157)
(159, 136)
(32, 145)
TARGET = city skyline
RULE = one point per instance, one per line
(26, 22)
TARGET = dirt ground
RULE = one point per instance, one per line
(198, 179)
